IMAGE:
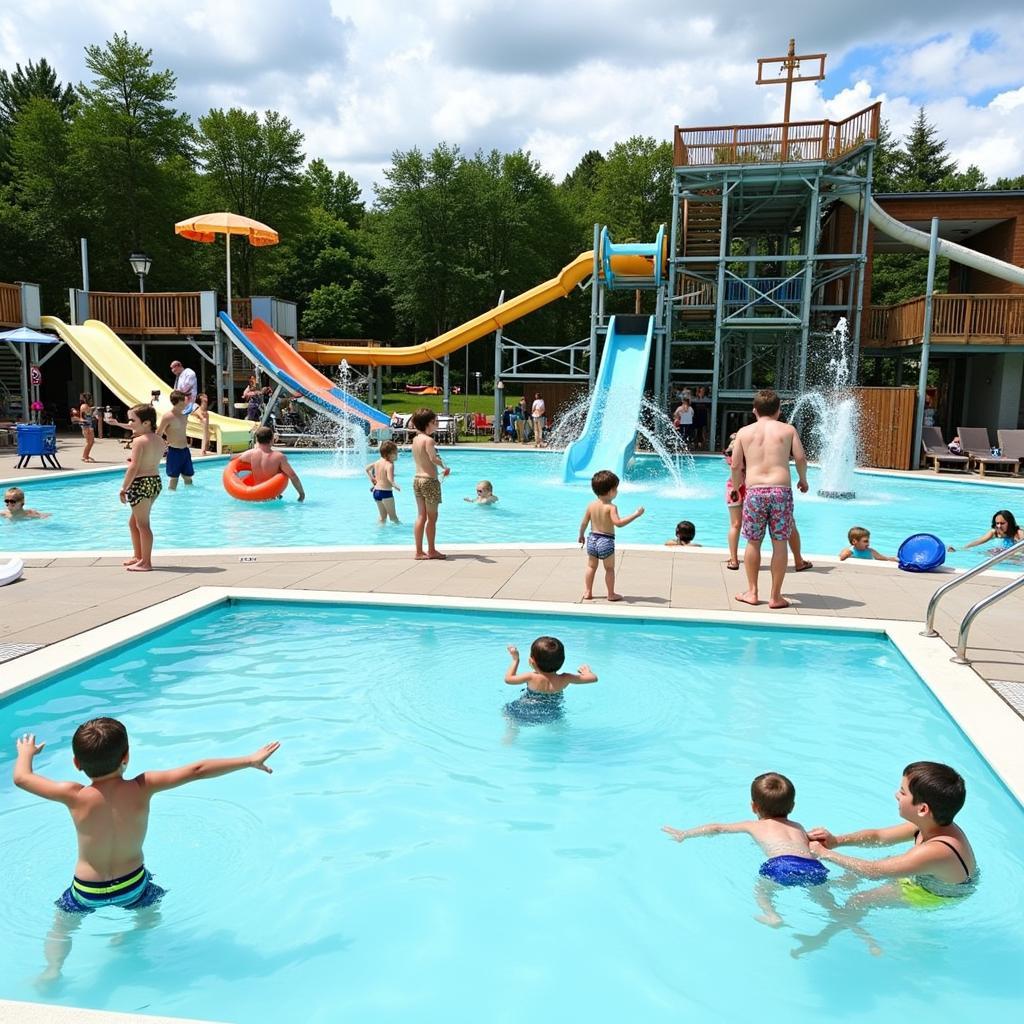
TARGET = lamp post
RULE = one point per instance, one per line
(499, 407)
(478, 375)
(140, 264)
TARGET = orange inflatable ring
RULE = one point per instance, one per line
(243, 487)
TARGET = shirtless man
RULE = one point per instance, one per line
(425, 484)
(265, 462)
(760, 458)
(142, 484)
(172, 428)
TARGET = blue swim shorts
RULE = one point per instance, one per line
(132, 892)
(534, 708)
(379, 495)
(600, 545)
(179, 463)
(790, 870)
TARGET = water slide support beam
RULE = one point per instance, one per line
(926, 338)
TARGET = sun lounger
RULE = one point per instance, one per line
(976, 444)
(936, 452)
(1012, 443)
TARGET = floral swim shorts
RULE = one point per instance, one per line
(770, 507)
(428, 488)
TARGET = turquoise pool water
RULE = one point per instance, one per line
(411, 859)
(535, 505)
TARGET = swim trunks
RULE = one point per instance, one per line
(600, 545)
(179, 463)
(771, 507)
(428, 488)
(379, 495)
(143, 487)
(790, 870)
(535, 708)
(729, 503)
(132, 891)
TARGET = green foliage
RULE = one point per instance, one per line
(336, 192)
(924, 165)
(886, 162)
(336, 311)
(634, 189)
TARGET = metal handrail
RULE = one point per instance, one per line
(933, 604)
(960, 658)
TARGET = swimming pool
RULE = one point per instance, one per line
(535, 506)
(412, 858)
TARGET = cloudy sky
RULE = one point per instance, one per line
(363, 78)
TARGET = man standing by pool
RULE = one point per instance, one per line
(760, 458)
(185, 380)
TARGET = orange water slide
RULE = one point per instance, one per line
(410, 355)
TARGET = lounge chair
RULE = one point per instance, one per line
(975, 442)
(1012, 443)
(936, 452)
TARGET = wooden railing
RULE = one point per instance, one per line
(775, 143)
(147, 313)
(956, 320)
(10, 305)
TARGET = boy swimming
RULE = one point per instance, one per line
(111, 816)
(860, 547)
(484, 494)
(541, 701)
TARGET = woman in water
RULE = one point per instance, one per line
(1004, 532)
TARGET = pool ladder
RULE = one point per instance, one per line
(960, 658)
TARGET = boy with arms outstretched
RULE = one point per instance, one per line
(785, 843)
(111, 816)
(541, 701)
(602, 517)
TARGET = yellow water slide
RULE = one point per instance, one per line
(133, 381)
(409, 355)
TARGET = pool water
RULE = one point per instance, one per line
(535, 505)
(414, 858)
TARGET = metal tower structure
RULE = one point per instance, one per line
(757, 268)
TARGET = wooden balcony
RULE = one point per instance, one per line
(968, 319)
(775, 143)
(10, 305)
(147, 313)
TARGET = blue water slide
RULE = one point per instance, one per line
(609, 436)
(265, 347)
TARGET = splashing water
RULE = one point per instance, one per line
(348, 439)
(656, 434)
(834, 434)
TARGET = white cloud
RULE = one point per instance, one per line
(362, 79)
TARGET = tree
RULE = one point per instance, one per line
(36, 81)
(888, 158)
(131, 153)
(337, 311)
(924, 165)
(634, 188)
(337, 193)
(579, 189)
(254, 168)
(1008, 184)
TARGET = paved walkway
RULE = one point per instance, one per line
(61, 597)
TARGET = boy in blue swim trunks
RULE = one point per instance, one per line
(602, 517)
(789, 863)
(111, 816)
(173, 428)
(382, 481)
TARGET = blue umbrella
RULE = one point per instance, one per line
(26, 336)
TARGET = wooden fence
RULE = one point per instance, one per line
(886, 426)
(147, 312)
(775, 143)
(10, 305)
(956, 319)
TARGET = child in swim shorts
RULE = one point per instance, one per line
(602, 517)
(541, 701)
(382, 481)
(789, 863)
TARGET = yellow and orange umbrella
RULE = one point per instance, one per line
(207, 226)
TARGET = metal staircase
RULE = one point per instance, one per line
(10, 382)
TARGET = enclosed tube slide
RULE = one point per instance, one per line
(133, 381)
(558, 287)
(922, 240)
(265, 347)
